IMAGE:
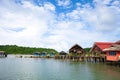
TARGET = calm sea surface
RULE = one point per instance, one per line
(12, 68)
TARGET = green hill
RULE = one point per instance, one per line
(14, 49)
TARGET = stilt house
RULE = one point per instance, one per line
(77, 50)
(98, 48)
(113, 52)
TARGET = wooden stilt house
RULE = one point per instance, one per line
(98, 48)
(113, 52)
(62, 53)
(77, 50)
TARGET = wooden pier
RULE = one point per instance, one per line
(83, 58)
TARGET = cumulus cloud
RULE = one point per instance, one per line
(100, 23)
(101, 17)
(64, 3)
(27, 24)
(32, 21)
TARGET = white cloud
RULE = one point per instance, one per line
(30, 25)
(101, 17)
(64, 3)
(116, 3)
(100, 23)
(49, 6)
(33, 19)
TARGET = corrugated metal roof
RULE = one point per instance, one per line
(103, 45)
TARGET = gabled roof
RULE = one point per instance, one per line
(76, 49)
(76, 46)
(62, 53)
(101, 45)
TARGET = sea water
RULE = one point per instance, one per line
(12, 68)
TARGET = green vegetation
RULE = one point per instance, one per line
(14, 49)
(87, 50)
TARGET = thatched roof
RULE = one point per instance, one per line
(62, 53)
(76, 46)
(115, 47)
(76, 49)
(117, 42)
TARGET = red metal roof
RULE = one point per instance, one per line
(103, 45)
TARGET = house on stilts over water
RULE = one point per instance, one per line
(98, 47)
(113, 52)
(109, 50)
(63, 53)
(77, 50)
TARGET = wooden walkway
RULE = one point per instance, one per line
(83, 58)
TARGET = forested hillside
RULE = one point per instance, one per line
(87, 50)
(14, 49)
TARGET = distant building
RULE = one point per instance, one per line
(76, 50)
(52, 54)
(3, 54)
(62, 53)
(44, 54)
(37, 53)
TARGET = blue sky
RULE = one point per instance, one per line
(59, 24)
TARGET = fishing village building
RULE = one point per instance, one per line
(63, 53)
(98, 48)
(44, 54)
(109, 50)
(3, 54)
(113, 52)
(77, 50)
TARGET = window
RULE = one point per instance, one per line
(112, 53)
